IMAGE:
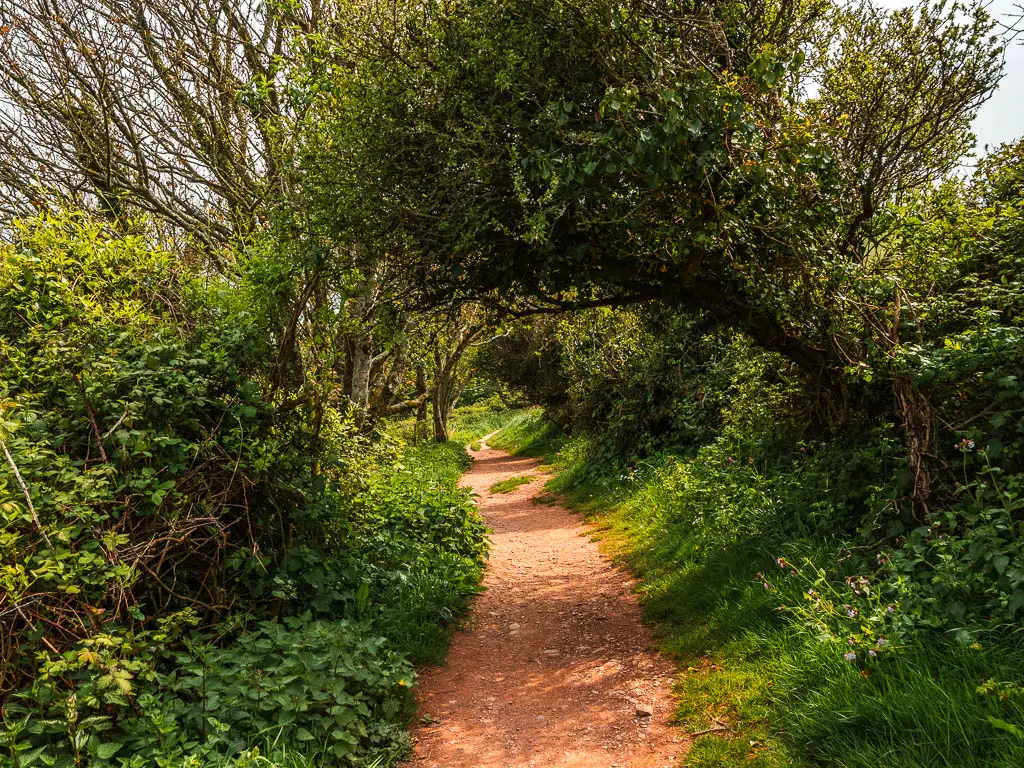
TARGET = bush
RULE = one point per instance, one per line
(332, 687)
(187, 576)
(404, 554)
(136, 442)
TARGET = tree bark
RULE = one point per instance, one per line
(389, 389)
(361, 343)
(362, 359)
(441, 402)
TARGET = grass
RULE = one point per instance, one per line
(787, 697)
(470, 423)
(512, 483)
(527, 433)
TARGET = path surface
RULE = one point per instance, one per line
(555, 668)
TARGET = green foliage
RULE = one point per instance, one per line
(821, 363)
(421, 548)
(571, 173)
(511, 484)
(194, 570)
(404, 554)
(333, 688)
(528, 433)
(143, 444)
(327, 689)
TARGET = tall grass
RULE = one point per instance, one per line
(769, 687)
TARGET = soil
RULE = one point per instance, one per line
(554, 667)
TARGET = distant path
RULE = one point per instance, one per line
(555, 669)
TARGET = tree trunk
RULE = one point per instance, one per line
(389, 389)
(361, 308)
(440, 414)
(441, 401)
(445, 391)
(362, 358)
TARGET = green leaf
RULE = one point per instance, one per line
(108, 749)
(1002, 725)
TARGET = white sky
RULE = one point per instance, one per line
(1001, 118)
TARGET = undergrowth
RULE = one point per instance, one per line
(191, 576)
(326, 683)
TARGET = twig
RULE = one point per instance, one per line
(44, 640)
(92, 420)
(711, 730)
(171, 593)
(116, 424)
(28, 496)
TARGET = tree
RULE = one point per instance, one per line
(530, 155)
(449, 344)
(900, 90)
(182, 110)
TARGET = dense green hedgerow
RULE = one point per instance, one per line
(184, 580)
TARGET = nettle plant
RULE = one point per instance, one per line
(171, 697)
(857, 615)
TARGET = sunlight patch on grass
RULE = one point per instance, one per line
(512, 483)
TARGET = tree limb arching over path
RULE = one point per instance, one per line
(556, 668)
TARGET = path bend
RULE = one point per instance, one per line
(555, 668)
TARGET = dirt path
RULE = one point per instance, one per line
(555, 668)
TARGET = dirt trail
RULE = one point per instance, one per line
(555, 667)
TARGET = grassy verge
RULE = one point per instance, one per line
(764, 649)
(510, 484)
(528, 433)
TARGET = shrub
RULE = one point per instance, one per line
(187, 577)
(332, 687)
